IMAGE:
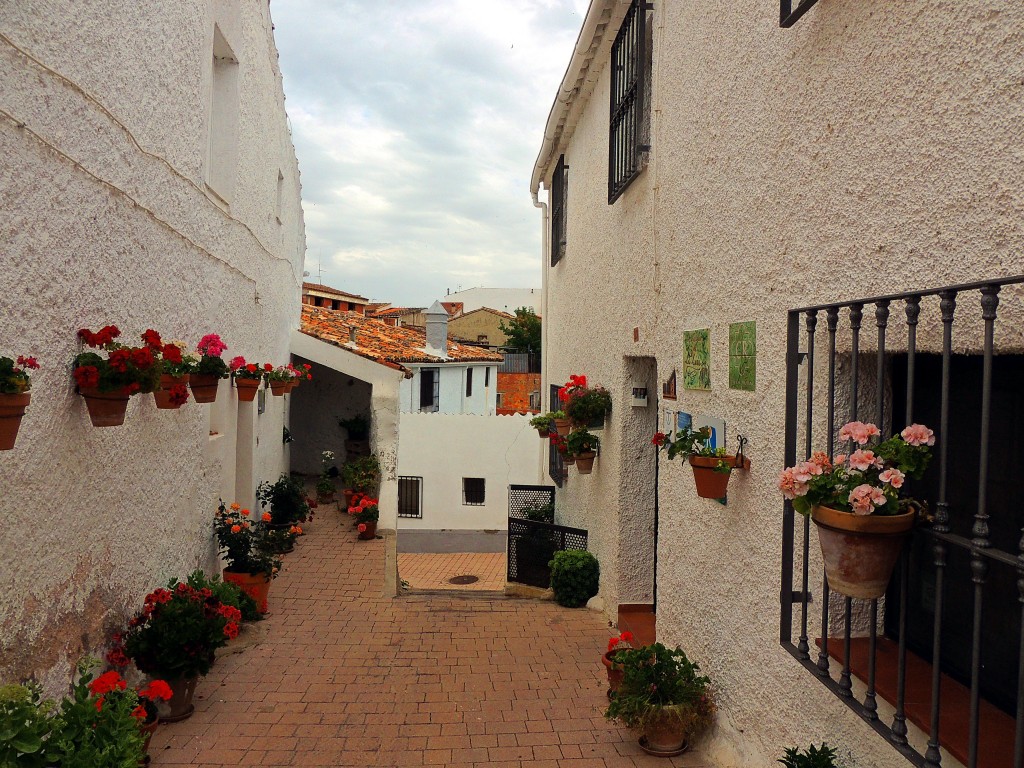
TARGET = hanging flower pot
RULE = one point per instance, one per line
(585, 462)
(12, 408)
(180, 706)
(106, 409)
(173, 392)
(256, 585)
(204, 387)
(247, 389)
(860, 551)
(563, 426)
(568, 458)
(278, 388)
(711, 475)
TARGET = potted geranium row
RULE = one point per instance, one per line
(712, 467)
(14, 396)
(855, 501)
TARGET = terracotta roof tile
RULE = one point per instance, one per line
(383, 343)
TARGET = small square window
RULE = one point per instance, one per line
(473, 490)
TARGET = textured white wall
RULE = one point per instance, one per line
(789, 167)
(444, 448)
(103, 116)
(452, 389)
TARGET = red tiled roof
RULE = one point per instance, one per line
(380, 342)
(332, 291)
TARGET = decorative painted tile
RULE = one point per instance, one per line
(697, 359)
(743, 356)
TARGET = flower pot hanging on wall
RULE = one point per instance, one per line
(204, 387)
(173, 392)
(711, 474)
(585, 462)
(12, 409)
(247, 389)
(106, 409)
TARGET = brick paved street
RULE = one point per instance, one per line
(348, 677)
(434, 570)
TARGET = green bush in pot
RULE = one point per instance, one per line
(574, 577)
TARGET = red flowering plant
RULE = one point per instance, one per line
(246, 542)
(210, 349)
(176, 632)
(365, 510)
(240, 369)
(621, 642)
(584, 405)
(14, 378)
(125, 369)
(177, 360)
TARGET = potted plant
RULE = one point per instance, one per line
(712, 467)
(106, 383)
(279, 378)
(174, 637)
(358, 430)
(813, 757)
(176, 368)
(361, 474)
(582, 446)
(14, 396)
(227, 593)
(561, 445)
(247, 376)
(210, 369)
(281, 541)
(300, 375)
(575, 577)
(366, 513)
(621, 642)
(560, 422)
(584, 405)
(543, 423)
(25, 725)
(855, 502)
(286, 500)
(664, 695)
(248, 551)
(325, 489)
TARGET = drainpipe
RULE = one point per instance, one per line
(544, 234)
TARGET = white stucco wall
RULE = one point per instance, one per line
(789, 167)
(104, 111)
(445, 448)
(452, 389)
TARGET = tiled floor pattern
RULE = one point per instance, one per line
(347, 677)
(434, 571)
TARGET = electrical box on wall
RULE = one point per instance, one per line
(639, 397)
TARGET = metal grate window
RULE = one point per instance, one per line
(559, 191)
(954, 605)
(469, 382)
(790, 11)
(430, 388)
(410, 497)
(473, 491)
(629, 121)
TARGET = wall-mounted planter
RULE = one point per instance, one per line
(247, 389)
(563, 426)
(12, 408)
(585, 462)
(106, 409)
(711, 482)
(278, 388)
(164, 396)
(204, 387)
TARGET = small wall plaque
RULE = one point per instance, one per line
(743, 356)
(639, 397)
(697, 359)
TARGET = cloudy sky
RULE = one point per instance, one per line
(417, 123)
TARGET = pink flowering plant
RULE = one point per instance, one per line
(867, 481)
(210, 349)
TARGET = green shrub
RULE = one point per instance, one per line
(574, 577)
(24, 726)
(814, 757)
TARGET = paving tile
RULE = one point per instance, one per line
(344, 676)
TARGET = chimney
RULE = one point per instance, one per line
(437, 330)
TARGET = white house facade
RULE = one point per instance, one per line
(149, 181)
(733, 174)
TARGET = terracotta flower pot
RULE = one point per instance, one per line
(860, 551)
(711, 484)
(615, 673)
(664, 735)
(370, 532)
(180, 705)
(349, 495)
(163, 395)
(12, 408)
(247, 388)
(204, 387)
(563, 426)
(148, 728)
(292, 385)
(106, 409)
(544, 432)
(278, 388)
(568, 458)
(255, 585)
(325, 498)
(585, 462)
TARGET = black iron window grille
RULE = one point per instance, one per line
(559, 193)
(556, 467)
(473, 491)
(430, 389)
(790, 11)
(953, 611)
(469, 382)
(629, 122)
(410, 497)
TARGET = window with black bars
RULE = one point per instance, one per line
(469, 382)
(559, 190)
(790, 11)
(430, 389)
(628, 122)
(410, 497)
(473, 490)
(950, 628)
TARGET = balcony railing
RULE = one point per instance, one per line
(955, 601)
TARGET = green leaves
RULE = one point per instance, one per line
(575, 575)
(813, 758)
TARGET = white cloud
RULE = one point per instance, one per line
(416, 124)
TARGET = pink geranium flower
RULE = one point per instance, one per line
(236, 363)
(859, 432)
(805, 470)
(862, 460)
(211, 345)
(864, 498)
(918, 434)
(790, 486)
(893, 477)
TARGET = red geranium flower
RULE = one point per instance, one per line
(171, 354)
(179, 394)
(659, 438)
(157, 689)
(252, 368)
(268, 367)
(107, 682)
(142, 357)
(119, 360)
(28, 362)
(132, 388)
(231, 630)
(152, 339)
(87, 376)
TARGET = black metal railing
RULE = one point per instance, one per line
(531, 545)
(975, 527)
